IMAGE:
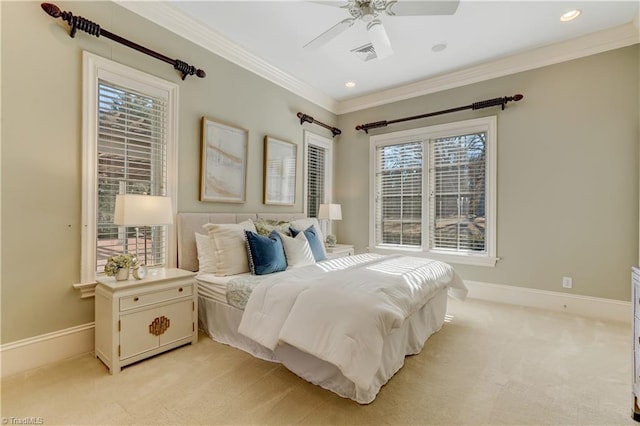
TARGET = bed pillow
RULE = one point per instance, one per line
(297, 250)
(317, 247)
(264, 227)
(230, 247)
(307, 222)
(206, 254)
(266, 254)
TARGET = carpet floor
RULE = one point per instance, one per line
(489, 364)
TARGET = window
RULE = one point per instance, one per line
(434, 191)
(399, 194)
(318, 161)
(130, 147)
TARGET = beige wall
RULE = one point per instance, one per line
(567, 175)
(567, 172)
(41, 146)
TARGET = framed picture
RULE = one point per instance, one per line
(280, 158)
(223, 171)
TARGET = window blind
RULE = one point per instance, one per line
(316, 163)
(457, 193)
(399, 194)
(132, 159)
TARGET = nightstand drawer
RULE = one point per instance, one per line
(145, 299)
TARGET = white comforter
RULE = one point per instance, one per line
(341, 310)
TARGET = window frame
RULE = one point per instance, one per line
(94, 68)
(425, 135)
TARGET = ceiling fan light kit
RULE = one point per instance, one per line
(369, 12)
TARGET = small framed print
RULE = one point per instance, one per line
(280, 159)
(223, 172)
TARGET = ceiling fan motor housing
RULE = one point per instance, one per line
(366, 10)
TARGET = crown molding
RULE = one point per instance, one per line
(614, 38)
(170, 18)
(165, 15)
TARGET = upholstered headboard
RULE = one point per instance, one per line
(190, 223)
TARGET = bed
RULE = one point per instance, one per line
(331, 322)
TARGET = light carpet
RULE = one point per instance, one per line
(489, 364)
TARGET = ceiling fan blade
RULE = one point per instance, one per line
(379, 39)
(336, 3)
(329, 34)
(417, 8)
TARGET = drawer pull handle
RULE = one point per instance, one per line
(180, 289)
(159, 325)
(135, 299)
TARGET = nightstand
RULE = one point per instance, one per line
(339, 250)
(136, 319)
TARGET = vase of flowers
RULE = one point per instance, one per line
(119, 265)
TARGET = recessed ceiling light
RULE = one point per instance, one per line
(350, 84)
(439, 47)
(570, 15)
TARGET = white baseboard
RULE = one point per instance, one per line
(37, 351)
(593, 307)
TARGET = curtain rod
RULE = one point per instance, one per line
(82, 24)
(304, 117)
(476, 105)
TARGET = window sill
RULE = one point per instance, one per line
(87, 290)
(460, 259)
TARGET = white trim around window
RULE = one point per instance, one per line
(95, 67)
(426, 135)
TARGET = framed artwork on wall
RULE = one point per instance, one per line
(223, 170)
(280, 159)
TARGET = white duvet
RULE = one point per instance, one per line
(341, 310)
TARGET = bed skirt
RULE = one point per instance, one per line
(220, 321)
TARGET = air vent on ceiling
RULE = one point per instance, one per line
(366, 52)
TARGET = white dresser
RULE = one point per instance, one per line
(136, 319)
(635, 294)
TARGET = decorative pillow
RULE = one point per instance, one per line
(307, 222)
(297, 250)
(266, 254)
(266, 226)
(317, 247)
(206, 254)
(230, 247)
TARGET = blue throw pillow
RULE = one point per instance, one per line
(317, 247)
(266, 254)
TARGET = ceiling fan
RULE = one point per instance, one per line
(369, 12)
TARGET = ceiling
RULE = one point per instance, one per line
(481, 35)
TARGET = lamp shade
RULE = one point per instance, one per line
(330, 211)
(142, 210)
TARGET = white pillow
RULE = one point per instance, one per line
(230, 247)
(302, 224)
(297, 250)
(206, 254)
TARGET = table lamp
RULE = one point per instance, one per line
(330, 212)
(142, 210)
